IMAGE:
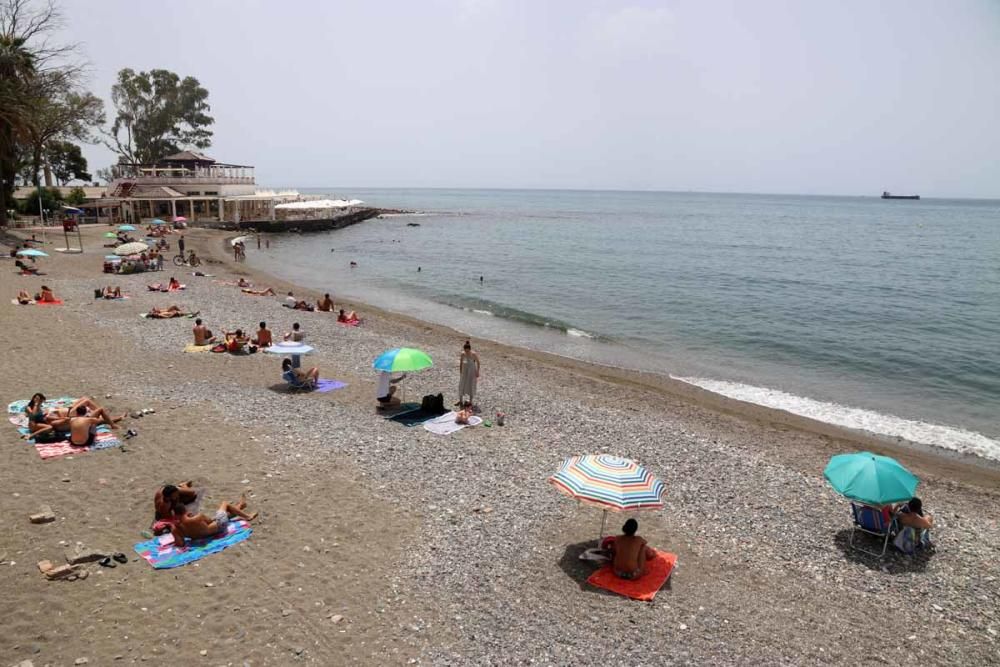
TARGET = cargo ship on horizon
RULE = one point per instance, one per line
(889, 195)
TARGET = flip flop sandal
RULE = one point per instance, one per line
(106, 562)
(121, 558)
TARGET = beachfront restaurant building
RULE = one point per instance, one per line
(185, 185)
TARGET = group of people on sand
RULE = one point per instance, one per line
(46, 295)
(175, 511)
(78, 423)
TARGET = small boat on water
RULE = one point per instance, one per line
(889, 195)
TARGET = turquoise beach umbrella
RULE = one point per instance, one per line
(31, 252)
(870, 479)
(126, 228)
(402, 360)
(157, 222)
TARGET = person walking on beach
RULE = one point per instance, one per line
(180, 244)
(468, 374)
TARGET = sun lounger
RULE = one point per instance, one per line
(875, 521)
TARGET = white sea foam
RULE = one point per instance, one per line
(483, 312)
(579, 333)
(948, 437)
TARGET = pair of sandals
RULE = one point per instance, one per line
(129, 434)
(109, 561)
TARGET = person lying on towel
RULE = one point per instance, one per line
(199, 525)
(629, 552)
(349, 318)
(23, 298)
(166, 313)
(111, 292)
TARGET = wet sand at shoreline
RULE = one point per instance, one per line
(420, 569)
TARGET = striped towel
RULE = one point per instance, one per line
(105, 438)
(163, 553)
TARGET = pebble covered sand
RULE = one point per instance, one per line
(480, 564)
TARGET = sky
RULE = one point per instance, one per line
(849, 97)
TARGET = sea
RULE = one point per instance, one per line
(876, 315)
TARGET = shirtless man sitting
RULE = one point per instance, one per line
(236, 341)
(326, 305)
(169, 497)
(202, 335)
(629, 552)
(194, 526)
(83, 427)
(264, 338)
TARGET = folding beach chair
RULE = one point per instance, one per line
(876, 521)
(301, 386)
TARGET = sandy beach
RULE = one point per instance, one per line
(380, 544)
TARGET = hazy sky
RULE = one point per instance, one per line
(846, 97)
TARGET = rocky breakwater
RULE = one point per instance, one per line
(325, 221)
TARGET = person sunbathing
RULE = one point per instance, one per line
(195, 526)
(83, 427)
(299, 305)
(27, 269)
(236, 341)
(112, 292)
(23, 298)
(298, 377)
(259, 292)
(295, 334)
(202, 335)
(167, 313)
(463, 416)
(168, 498)
(629, 552)
(47, 296)
(243, 282)
(174, 285)
(326, 305)
(350, 318)
(263, 338)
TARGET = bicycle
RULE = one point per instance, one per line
(180, 260)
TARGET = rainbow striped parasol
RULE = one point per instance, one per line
(609, 482)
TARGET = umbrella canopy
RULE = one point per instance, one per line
(609, 482)
(110, 235)
(870, 479)
(126, 228)
(71, 210)
(31, 252)
(289, 347)
(157, 222)
(131, 249)
(180, 218)
(402, 360)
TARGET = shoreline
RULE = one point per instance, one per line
(968, 467)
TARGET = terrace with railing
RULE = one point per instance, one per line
(154, 174)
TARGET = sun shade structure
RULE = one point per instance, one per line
(289, 347)
(126, 249)
(126, 228)
(402, 360)
(157, 222)
(31, 252)
(319, 204)
(870, 479)
(609, 482)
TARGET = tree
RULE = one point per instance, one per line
(158, 113)
(51, 200)
(66, 161)
(32, 71)
(59, 113)
(76, 196)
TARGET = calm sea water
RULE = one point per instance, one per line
(871, 314)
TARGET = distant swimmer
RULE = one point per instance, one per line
(480, 279)
(418, 269)
(354, 265)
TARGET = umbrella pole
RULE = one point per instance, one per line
(604, 521)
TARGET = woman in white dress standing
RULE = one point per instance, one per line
(468, 374)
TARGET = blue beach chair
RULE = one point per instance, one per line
(876, 521)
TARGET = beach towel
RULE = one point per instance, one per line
(162, 553)
(323, 386)
(105, 439)
(191, 347)
(16, 414)
(413, 417)
(18, 303)
(353, 323)
(446, 425)
(645, 587)
(149, 317)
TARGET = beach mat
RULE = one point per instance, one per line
(446, 425)
(57, 302)
(645, 587)
(191, 347)
(164, 556)
(414, 417)
(105, 438)
(323, 386)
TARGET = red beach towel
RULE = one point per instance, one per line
(57, 302)
(645, 587)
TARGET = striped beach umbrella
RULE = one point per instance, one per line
(612, 483)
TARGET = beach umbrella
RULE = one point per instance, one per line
(71, 210)
(870, 479)
(31, 252)
(126, 228)
(180, 218)
(610, 482)
(402, 360)
(131, 249)
(289, 347)
(157, 222)
(110, 235)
